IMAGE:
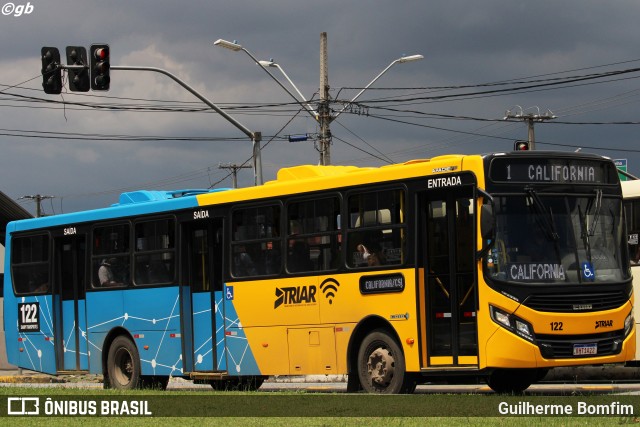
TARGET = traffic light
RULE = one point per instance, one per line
(521, 146)
(79, 80)
(100, 67)
(51, 71)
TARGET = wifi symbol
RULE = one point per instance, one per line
(329, 288)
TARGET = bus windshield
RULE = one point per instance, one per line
(558, 239)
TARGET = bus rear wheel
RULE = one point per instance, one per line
(237, 384)
(381, 366)
(154, 382)
(123, 364)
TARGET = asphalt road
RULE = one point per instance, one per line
(561, 383)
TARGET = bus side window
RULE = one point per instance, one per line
(376, 233)
(30, 264)
(111, 246)
(154, 252)
(632, 216)
(255, 241)
(312, 235)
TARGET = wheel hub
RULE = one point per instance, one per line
(381, 366)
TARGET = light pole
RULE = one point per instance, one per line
(401, 60)
(322, 114)
(235, 47)
(325, 120)
(305, 103)
(255, 136)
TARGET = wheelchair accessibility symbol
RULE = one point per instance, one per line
(229, 293)
(588, 273)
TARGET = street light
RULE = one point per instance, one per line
(228, 45)
(402, 60)
(236, 47)
(323, 119)
(272, 64)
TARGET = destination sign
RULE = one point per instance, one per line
(534, 272)
(558, 171)
(381, 284)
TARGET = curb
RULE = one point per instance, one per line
(31, 379)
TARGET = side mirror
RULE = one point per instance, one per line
(487, 222)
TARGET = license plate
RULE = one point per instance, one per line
(582, 349)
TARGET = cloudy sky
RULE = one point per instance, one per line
(576, 58)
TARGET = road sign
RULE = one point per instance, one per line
(621, 164)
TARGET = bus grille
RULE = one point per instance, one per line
(576, 303)
(561, 346)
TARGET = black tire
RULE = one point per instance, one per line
(123, 364)
(238, 384)
(512, 381)
(353, 383)
(381, 366)
(154, 382)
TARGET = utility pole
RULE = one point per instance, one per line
(530, 118)
(323, 114)
(323, 108)
(234, 171)
(38, 199)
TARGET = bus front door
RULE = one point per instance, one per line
(70, 304)
(447, 266)
(203, 281)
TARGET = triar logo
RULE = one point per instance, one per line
(295, 295)
(604, 324)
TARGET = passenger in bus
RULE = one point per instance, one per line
(243, 264)
(42, 288)
(373, 257)
(105, 273)
(299, 253)
(635, 259)
(299, 256)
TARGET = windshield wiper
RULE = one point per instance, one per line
(541, 210)
(584, 230)
(597, 205)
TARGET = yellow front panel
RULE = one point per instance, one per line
(504, 348)
(575, 323)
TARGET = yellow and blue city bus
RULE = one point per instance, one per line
(496, 266)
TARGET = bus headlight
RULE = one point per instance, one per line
(628, 323)
(513, 323)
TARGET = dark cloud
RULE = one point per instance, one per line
(464, 43)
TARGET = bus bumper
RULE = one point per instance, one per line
(506, 350)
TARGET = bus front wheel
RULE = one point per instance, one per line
(123, 364)
(381, 366)
(512, 381)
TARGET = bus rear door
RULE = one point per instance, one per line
(202, 280)
(70, 303)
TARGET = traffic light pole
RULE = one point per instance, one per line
(255, 136)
